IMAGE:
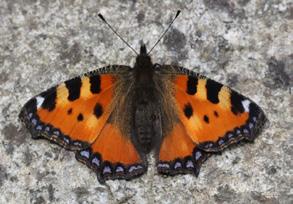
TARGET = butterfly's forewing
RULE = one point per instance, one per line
(213, 115)
(75, 115)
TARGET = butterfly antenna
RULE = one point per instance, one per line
(104, 20)
(177, 14)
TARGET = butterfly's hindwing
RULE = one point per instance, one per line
(179, 154)
(112, 155)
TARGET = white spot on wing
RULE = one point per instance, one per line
(40, 101)
(245, 104)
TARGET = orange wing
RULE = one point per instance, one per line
(112, 156)
(179, 154)
(75, 115)
(211, 117)
(215, 116)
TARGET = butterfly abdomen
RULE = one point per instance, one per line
(147, 123)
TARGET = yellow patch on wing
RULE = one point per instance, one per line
(201, 93)
(224, 98)
(62, 95)
(85, 88)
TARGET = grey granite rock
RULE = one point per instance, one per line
(247, 44)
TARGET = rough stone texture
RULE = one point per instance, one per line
(246, 44)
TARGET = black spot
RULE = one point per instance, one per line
(254, 110)
(98, 110)
(80, 117)
(192, 85)
(73, 87)
(95, 82)
(213, 89)
(216, 114)
(188, 111)
(206, 118)
(69, 111)
(49, 99)
(236, 103)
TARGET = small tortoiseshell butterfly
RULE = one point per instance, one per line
(112, 117)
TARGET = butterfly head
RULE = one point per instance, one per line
(143, 50)
(143, 60)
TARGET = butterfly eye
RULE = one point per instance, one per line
(157, 66)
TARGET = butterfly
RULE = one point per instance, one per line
(114, 116)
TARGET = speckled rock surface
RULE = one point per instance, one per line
(247, 44)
